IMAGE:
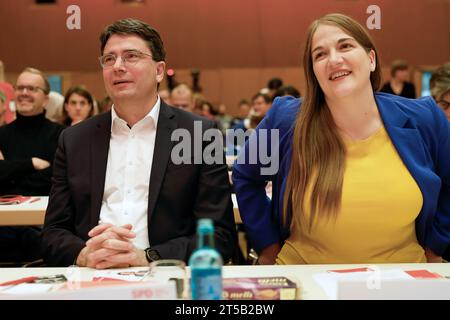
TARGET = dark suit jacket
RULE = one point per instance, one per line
(178, 194)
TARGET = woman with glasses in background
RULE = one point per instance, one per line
(440, 87)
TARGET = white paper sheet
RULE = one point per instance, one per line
(121, 274)
(329, 281)
(27, 288)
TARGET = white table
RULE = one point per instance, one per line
(300, 273)
(24, 214)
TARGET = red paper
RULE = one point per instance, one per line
(423, 274)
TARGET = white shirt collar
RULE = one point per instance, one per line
(153, 113)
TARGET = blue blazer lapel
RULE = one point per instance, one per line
(404, 134)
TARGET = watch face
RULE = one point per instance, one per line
(152, 255)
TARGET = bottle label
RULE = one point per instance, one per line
(206, 284)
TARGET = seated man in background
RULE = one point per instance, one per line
(261, 104)
(182, 97)
(119, 197)
(27, 148)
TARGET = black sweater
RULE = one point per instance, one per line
(24, 138)
(408, 91)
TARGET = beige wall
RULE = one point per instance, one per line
(210, 34)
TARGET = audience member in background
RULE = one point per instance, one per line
(199, 98)
(287, 91)
(120, 196)
(440, 87)
(8, 90)
(243, 111)
(165, 95)
(274, 85)
(2, 108)
(27, 149)
(261, 103)
(363, 177)
(399, 84)
(105, 105)
(78, 106)
(54, 107)
(209, 111)
(182, 97)
(223, 118)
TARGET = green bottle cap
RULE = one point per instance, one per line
(205, 225)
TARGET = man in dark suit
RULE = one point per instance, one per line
(119, 197)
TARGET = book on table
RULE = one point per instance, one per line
(260, 288)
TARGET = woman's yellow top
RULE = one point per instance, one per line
(376, 222)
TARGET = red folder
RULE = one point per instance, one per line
(13, 199)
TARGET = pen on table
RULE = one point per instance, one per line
(146, 276)
(19, 281)
(34, 200)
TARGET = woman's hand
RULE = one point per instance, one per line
(432, 257)
(269, 254)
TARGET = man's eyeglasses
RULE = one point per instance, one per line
(34, 89)
(444, 104)
(128, 58)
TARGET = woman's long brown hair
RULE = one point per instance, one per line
(318, 152)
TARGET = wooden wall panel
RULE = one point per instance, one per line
(238, 45)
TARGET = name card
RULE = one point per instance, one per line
(429, 289)
(134, 291)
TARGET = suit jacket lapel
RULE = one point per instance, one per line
(163, 146)
(99, 159)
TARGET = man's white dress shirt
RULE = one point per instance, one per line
(130, 157)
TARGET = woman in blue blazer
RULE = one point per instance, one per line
(315, 137)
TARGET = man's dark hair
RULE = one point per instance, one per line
(287, 91)
(243, 101)
(266, 97)
(139, 28)
(275, 83)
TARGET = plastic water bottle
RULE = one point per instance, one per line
(206, 265)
